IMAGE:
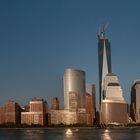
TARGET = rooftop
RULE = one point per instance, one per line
(111, 74)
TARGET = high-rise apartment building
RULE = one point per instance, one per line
(135, 102)
(74, 89)
(104, 60)
(10, 113)
(37, 112)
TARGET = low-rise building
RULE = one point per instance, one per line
(63, 117)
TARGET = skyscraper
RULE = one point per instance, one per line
(74, 89)
(104, 60)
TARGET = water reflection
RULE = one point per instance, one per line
(77, 134)
(68, 134)
(46, 135)
(33, 134)
(106, 135)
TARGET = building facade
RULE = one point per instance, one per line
(74, 89)
(55, 103)
(10, 113)
(90, 104)
(37, 113)
(63, 117)
(135, 102)
(113, 106)
(114, 113)
(67, 117)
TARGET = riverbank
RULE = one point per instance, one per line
(73, 128)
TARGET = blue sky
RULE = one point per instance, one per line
(39, 39)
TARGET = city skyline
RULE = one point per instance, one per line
(39, 40)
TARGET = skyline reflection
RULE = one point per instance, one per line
(80, 134)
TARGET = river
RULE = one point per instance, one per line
(77, 134)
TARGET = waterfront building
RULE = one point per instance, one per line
(135, 102)
(82, 116)
(63, 117)
(104, 60)
(10, 113)
(67, 117)
(55, 103)
(37, 113)
(74, 100)
(113, 106)
(74, 89)
(90, 103)
(2, 117)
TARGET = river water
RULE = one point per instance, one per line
(77, 134)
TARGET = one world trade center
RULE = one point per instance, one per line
(104, 60)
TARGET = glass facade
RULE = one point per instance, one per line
(104, 52)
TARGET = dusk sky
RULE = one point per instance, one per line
(39, 39)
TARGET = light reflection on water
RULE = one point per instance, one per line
(106, 135)
(78, 134)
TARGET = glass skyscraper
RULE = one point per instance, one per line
(104, 60)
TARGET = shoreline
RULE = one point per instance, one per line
(60, 128)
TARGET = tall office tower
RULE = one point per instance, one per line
(135, 102)
(104, 60)
(90, 104)
(55, 103)
(74, 89)
(114, 107)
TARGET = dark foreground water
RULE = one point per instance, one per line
(78, 134)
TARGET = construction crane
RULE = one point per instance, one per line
(102, 29)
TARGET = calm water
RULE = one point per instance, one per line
(78, 134)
